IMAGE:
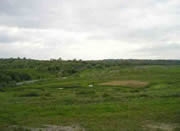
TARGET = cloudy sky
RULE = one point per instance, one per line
(90, 29)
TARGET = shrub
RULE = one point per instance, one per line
(30, 94)
(105, 95)
(47, 94)
(86, 92)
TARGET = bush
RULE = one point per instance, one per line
(86, 92)
(105, 95)
(47, 94)
(30, 94)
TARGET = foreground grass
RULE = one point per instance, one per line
(107, 108)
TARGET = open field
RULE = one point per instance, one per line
(132, 98)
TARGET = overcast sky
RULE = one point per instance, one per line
(90, 29)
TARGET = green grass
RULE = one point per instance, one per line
(106, 108)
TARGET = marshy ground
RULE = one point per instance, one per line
(122, 99)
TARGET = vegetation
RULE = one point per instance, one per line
(62, 95)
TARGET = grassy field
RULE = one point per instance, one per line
(140, 98)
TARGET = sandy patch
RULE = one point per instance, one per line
(48, 128)
(161, 126)
(130, 83)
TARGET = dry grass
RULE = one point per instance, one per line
(130, 83)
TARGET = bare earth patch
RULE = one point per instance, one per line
(161, 126)
(48, 128)
(131, 83)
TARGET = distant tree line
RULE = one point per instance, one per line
(14, 70)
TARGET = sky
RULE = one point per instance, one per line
(90, 29)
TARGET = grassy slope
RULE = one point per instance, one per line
(107, 108)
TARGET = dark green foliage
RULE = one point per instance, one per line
(86, 92)
(106, 95)
(30, 94)
(9, 78)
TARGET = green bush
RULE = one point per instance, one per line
(105, 95)
(86, 92)
(30, 94)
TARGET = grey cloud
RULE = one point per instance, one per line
(166, 51)
(5, 38)
(63, 23)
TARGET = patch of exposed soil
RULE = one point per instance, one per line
(130, 83)
(161, 126)
(47, 128)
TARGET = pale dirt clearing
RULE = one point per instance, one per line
(48, 128)
(162, 127)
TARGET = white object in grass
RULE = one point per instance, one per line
(90, 85)
(64, 78)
